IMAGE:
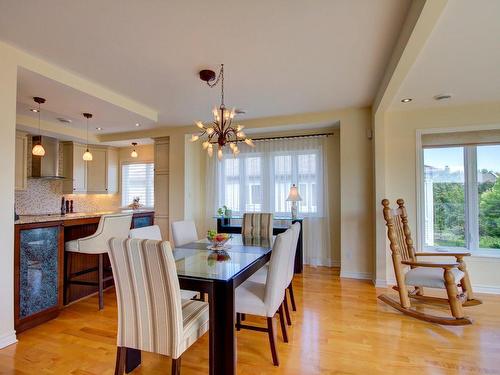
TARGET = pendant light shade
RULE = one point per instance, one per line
(38, 149)
(87, 156)
(134, 153)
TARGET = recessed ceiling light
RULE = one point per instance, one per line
(406, 100)
(137, 124)
(64, 120)
(442, 97)
(34, 110)
(99, 128)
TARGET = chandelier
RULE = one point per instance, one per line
(221, 131)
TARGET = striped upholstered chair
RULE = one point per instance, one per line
(151, 314)
(257, 225)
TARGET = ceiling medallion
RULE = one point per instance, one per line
(221, 131)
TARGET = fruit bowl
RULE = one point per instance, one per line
(217, 240)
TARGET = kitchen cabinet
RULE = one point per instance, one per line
(21, 160)
(99, 176)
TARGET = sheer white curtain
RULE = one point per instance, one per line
(259, 180)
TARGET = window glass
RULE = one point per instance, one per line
(138, 181)
(488, 186)
(444, 197)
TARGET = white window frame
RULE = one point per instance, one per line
(471, 194)
(121, 177)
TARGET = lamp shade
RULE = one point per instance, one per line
(294, 195)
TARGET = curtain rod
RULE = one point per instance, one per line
(293, 136)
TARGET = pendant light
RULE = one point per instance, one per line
(38, 149)
(87, 156)
(134, 153)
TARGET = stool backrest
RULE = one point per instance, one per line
(113, 225)
(184, 232)
(148, 296)
(277, 273)
(151, 232)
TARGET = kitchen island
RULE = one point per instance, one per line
(41, 265)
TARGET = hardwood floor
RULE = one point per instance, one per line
(340, 327)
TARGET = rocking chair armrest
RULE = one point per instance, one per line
(429, 264)
(446, 254)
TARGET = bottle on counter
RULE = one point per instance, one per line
(63, 206)
(71, 206)
(67, 206)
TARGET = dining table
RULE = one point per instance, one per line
(217, 273)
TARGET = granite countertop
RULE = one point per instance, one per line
(29, 219)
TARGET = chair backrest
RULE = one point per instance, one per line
(148, 295)
(398, 231)
(184, 232)
(151, 232)
(277, 273)
(113, 225)
(295, 239)
(257, 225)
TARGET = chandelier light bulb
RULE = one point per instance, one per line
(194, 138)
(240, 134)
(210, 150)
(249, 142)
(87, 156)
(199, 124)
(38, 150)
(210, 131)
(134, 152)
(205, 144)
(220, 155)
(239, 128)
(232, 145)
(232, 114)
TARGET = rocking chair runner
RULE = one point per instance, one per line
(425, 274)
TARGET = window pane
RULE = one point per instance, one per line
(444, 196)
(254, 191)
(488, 183)
(282, 182)
(232, 184)
(138, 181)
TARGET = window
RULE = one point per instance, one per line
(461, 197)
(138, 181)
(261, 181)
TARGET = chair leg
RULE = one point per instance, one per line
(238, 321)
(284, 333)
(271, 331)
(452, 290)
(120, 360)
(101, 282)
(176, 366)
(243, 317)
(287, 311)
(292, 298)
(465, 282)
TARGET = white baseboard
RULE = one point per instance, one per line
(322, 263)
(356, 275)
(486, 289)
(380, 283)
(8, 339)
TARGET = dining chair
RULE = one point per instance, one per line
(153, 232)
(113, 225)
(257, 224)
(152, 316)
(265, 299)
(261, 275)
(184, 232)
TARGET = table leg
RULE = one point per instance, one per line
(222, 322)
(132, 359)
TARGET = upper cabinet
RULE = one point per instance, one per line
(99, 176)
(21, 160)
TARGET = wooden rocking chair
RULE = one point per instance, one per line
(425, 274)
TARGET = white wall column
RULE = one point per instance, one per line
(8, 90)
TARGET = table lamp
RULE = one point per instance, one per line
(294, 197)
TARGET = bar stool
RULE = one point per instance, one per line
(114, 225)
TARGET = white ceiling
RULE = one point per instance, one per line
(281, 57)
(461, 58)
(66, 102)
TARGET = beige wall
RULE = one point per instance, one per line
(145, 154)
(356, 195)
(401, 170)
(8, 90)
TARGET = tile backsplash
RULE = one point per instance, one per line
(44, 196)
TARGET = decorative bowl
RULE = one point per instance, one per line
(218, 240)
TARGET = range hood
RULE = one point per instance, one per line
(46, 166)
